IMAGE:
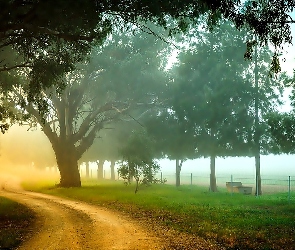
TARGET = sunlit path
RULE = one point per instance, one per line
(65, 224)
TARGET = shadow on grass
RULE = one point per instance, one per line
(15, 222)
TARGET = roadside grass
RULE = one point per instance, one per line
(234, 221)
(15, 220)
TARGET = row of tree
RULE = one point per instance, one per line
(212, 103)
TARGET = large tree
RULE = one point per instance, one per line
(215, 93)
(121, 81)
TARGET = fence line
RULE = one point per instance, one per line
(270, 184)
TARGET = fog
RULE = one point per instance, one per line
(194, 101)
(20, 147)
(24, 155)
(271, 165)
(28, 156)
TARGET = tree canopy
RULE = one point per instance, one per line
(47, 39)
(214, 93)
(281, 125)
(50, 38)
(121, 81)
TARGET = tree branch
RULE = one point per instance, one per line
(5, 68)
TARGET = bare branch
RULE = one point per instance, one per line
(24, 65)
(160, 36)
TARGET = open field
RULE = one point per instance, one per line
(234, 221)
(15, 221)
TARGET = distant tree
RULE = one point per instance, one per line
(107, 146)
(138, 160)
(172, 139)
(267, 93)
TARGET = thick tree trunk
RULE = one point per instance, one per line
(68, 167)
(177, 173)
(112, 170)
(100, 169)
(213, 186)
(87, 169)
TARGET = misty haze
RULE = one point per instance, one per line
(147, 125)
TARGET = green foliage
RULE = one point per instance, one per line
(214, 93)
(127, 73)
(173, 138)
(282, 129)
(44, 41)
(138, 162)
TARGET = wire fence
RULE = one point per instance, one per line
(269, 184)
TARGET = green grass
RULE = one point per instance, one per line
(234, 221)
(15, 220)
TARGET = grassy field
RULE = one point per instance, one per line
(232, 220)
(15, 222)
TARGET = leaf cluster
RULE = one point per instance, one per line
(282, 129)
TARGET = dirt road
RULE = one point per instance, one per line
(65, 224)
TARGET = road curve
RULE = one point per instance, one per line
(67, 225)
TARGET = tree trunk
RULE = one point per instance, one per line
(258, 190)
(137, 185)
(113, 177)
(68, 166)
(150, 176)
(177, 173)
(100, 169)
(87, 169)
(213, 186)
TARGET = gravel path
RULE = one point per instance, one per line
(66, 224)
